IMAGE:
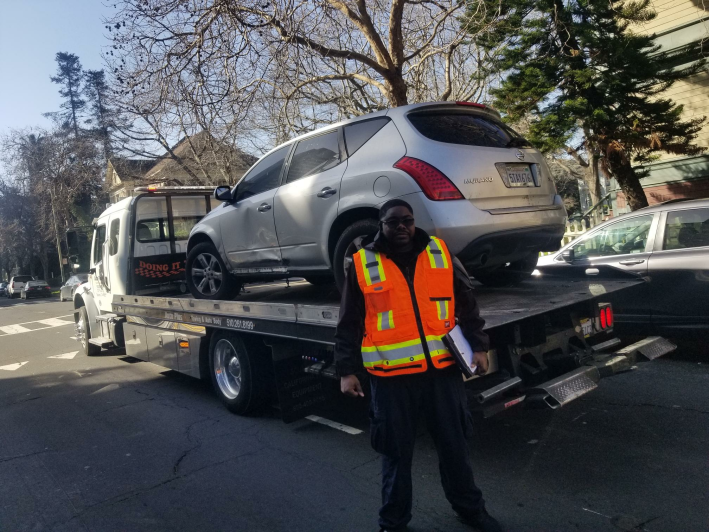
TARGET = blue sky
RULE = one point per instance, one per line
(31, 33)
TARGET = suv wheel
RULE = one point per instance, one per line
(510, 274)
(347, 244)
(207, 275)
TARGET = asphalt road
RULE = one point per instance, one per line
(105, 444)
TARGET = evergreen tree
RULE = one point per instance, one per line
(102, 117)
(69, 77)
(591, 84)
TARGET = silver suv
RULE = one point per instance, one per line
(470, 179)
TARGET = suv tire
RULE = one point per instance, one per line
(511, 274)
(347, 238)
(215, 280)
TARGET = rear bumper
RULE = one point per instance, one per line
(498, 248)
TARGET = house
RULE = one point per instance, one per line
(195, 160)
(680, 24)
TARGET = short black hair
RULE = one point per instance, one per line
(391, 204)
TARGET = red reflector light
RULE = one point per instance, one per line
(603, 319)
(434, 184)
(609, 316)
(472, 104)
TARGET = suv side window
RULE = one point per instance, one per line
(264, 176)
(620, 238)
(99, 239)
(314, 155)
(687, 229)
(357, 134)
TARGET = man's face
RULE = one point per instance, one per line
(398, 226)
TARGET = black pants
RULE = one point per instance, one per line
(395, 408)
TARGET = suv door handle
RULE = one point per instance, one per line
(264, 207)
(631, 262)
(326, 192)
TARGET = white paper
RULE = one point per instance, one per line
(456, 335)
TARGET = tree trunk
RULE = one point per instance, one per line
(397, 90)
(628, 180)
(44, 259)
(590, 177)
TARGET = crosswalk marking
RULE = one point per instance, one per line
(55, 322)
(47, 322)
(14, 329)
(13, 367)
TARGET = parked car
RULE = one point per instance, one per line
(3, 289)
(14, 287)
(669, 243)
(67, 289)
(38, 288)
(470, 179)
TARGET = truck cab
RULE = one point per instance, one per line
(138, 248)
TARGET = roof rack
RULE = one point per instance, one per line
(158, 189)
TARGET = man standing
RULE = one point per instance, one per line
(402, 294)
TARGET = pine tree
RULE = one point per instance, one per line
(102, 117)
(576, 68)
(69, 77)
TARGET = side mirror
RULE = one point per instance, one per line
(223, 193)
(568, 255)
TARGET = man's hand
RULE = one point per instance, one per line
(349, 385)
(480, 360)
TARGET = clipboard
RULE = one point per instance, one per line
(461, 351)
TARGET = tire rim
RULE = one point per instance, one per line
(227, 369)
(208, 278)
(81, 331)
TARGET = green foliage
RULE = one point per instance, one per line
(575, 68)
(69, 76)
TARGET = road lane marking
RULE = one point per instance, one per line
(55, 322)
(334, 425)
(13, 367)
(65, 356)
(14, 329)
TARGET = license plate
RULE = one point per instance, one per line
(520, 175)
(586, 327)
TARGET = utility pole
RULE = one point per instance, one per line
(56, 234)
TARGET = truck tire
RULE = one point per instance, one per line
(510, 274)
(207, 276)
(345, 246)
(239, 377)
(83, 334)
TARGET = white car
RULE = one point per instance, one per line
(14, 287)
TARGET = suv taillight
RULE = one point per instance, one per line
(605, 316)
(434, 184)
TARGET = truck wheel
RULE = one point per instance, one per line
(510, 274)
(238, 377)
(83, 333)
(346, 247)
(207, 275)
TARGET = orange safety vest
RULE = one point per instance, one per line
(392, 343)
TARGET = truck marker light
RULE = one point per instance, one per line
(609, 316)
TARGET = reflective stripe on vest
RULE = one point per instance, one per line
(435, 254)
(385, 320)
(403, 353)
(372, 266)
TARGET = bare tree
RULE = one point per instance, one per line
(254, 73)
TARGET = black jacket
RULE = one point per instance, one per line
(350, 327)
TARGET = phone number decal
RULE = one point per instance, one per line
(240, 324)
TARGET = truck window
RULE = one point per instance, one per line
(152, 230)
(99, 239)
(113, 236)
(183, 225)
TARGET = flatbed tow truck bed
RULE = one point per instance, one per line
(549, 341)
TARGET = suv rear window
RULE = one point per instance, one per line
(464, 128)
(21, 278)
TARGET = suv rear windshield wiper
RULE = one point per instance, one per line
(518, 142)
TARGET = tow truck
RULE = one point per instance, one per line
(552, 338)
